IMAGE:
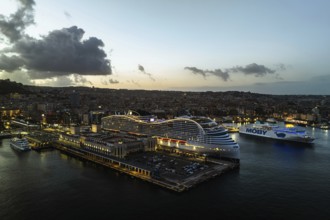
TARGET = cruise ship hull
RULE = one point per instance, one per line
(226, 152)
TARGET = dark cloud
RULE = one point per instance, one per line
(196, 71)
(61, 52)
(252, 69)
(141, 68)
(217, 72)
(10, 64)
(113, 81)
(14, 26)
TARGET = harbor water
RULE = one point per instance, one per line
(276, 180)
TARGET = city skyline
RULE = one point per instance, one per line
(272, 47)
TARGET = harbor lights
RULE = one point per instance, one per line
(43, 119)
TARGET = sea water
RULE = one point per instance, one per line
(276, 180)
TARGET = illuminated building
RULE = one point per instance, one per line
(105, 145)
(194, 135)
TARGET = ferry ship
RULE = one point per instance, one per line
(20, 144)
(275, 131)
(197, 135)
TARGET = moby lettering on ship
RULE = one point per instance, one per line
(255, 131)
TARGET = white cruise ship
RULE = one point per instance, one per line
(199, 135)
(275, 131)
(20, 144)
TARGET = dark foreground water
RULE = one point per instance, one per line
(275, 181)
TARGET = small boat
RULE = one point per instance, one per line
(20, 144)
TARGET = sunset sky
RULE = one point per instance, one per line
(275, 46)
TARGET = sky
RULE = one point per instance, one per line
(271, 47)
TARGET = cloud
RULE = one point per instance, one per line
(60, 53)
(10, 64)
(63, 81)
(252, 69)
(60, 81)
(67, 14)
(14, 26)
(112, 81)
(196, 71)
(78, 79)
(217, 72)
(141, 68)
(17, 76)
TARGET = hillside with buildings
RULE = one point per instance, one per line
(85, 105)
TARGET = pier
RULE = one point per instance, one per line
(168, 170)
(166, 178)
(41, 140)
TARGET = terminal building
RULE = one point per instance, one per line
(194, 135)
(115, 145)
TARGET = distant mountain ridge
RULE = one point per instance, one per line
(7, 87)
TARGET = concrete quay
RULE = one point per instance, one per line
(41, 140)
(177, 176)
